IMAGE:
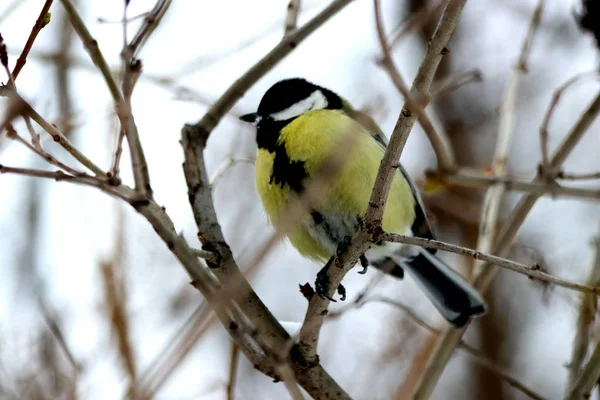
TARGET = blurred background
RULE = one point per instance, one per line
(90, 298)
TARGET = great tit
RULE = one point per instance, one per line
(298, 125)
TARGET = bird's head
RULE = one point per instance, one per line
(290, 98)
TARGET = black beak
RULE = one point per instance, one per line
(251, 118)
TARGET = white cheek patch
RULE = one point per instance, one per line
(316, 101)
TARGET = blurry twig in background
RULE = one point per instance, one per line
(11, 8)
(587, 378)
(449, 339)
(62, 71)
(466, 177)
(416, 20)
(545, 165)
(479, 357)
(588, 310)
(229, 162)
(116, 300)
(291, 17)
(173, 354)
(506, 130)
(454, 82)
(438, 139)
(233, 366)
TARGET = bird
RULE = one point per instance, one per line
(298, 125)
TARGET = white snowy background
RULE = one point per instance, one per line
(202, 47)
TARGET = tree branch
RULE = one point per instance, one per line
(439, 141)
(471, 179)
(40, 23)
(317, 308)
(532, 272)
(587, 315)
(138, 159)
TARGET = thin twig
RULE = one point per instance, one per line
(415, 21)
(587, 315)
(454, 82)
(439, 141)
(478, 356)
(229, 162)
(138, 160)
(291, 17)
(59, 176)
(61, 139)
(587, 379)
(472, 179)
(578, 177)
(532, 272)
(556, 96)
(233, 366)
(12, 134)
(151, 21)
(40, 23)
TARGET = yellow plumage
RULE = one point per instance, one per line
(311, 138)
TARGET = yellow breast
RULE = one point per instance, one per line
(310, 139)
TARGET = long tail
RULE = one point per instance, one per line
(449, 292)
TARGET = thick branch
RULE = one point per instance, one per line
(317, 307)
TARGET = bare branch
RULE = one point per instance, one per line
(587, 379)
(12, 134)
(454, 82)
(291, 17)
(552, 107)
(587, 315)
(138, 160)
(151, 21)
(578, 177)
(439, 141)
(360, 242)
(532, 272)
(233, 366)
(472, 179)
(40, 23)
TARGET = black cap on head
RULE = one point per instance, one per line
(288, 92)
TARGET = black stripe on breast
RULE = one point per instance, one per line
(287, 171)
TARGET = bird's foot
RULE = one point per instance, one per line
(322, 284)
(364, 263)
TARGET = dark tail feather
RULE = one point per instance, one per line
(449, 292)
